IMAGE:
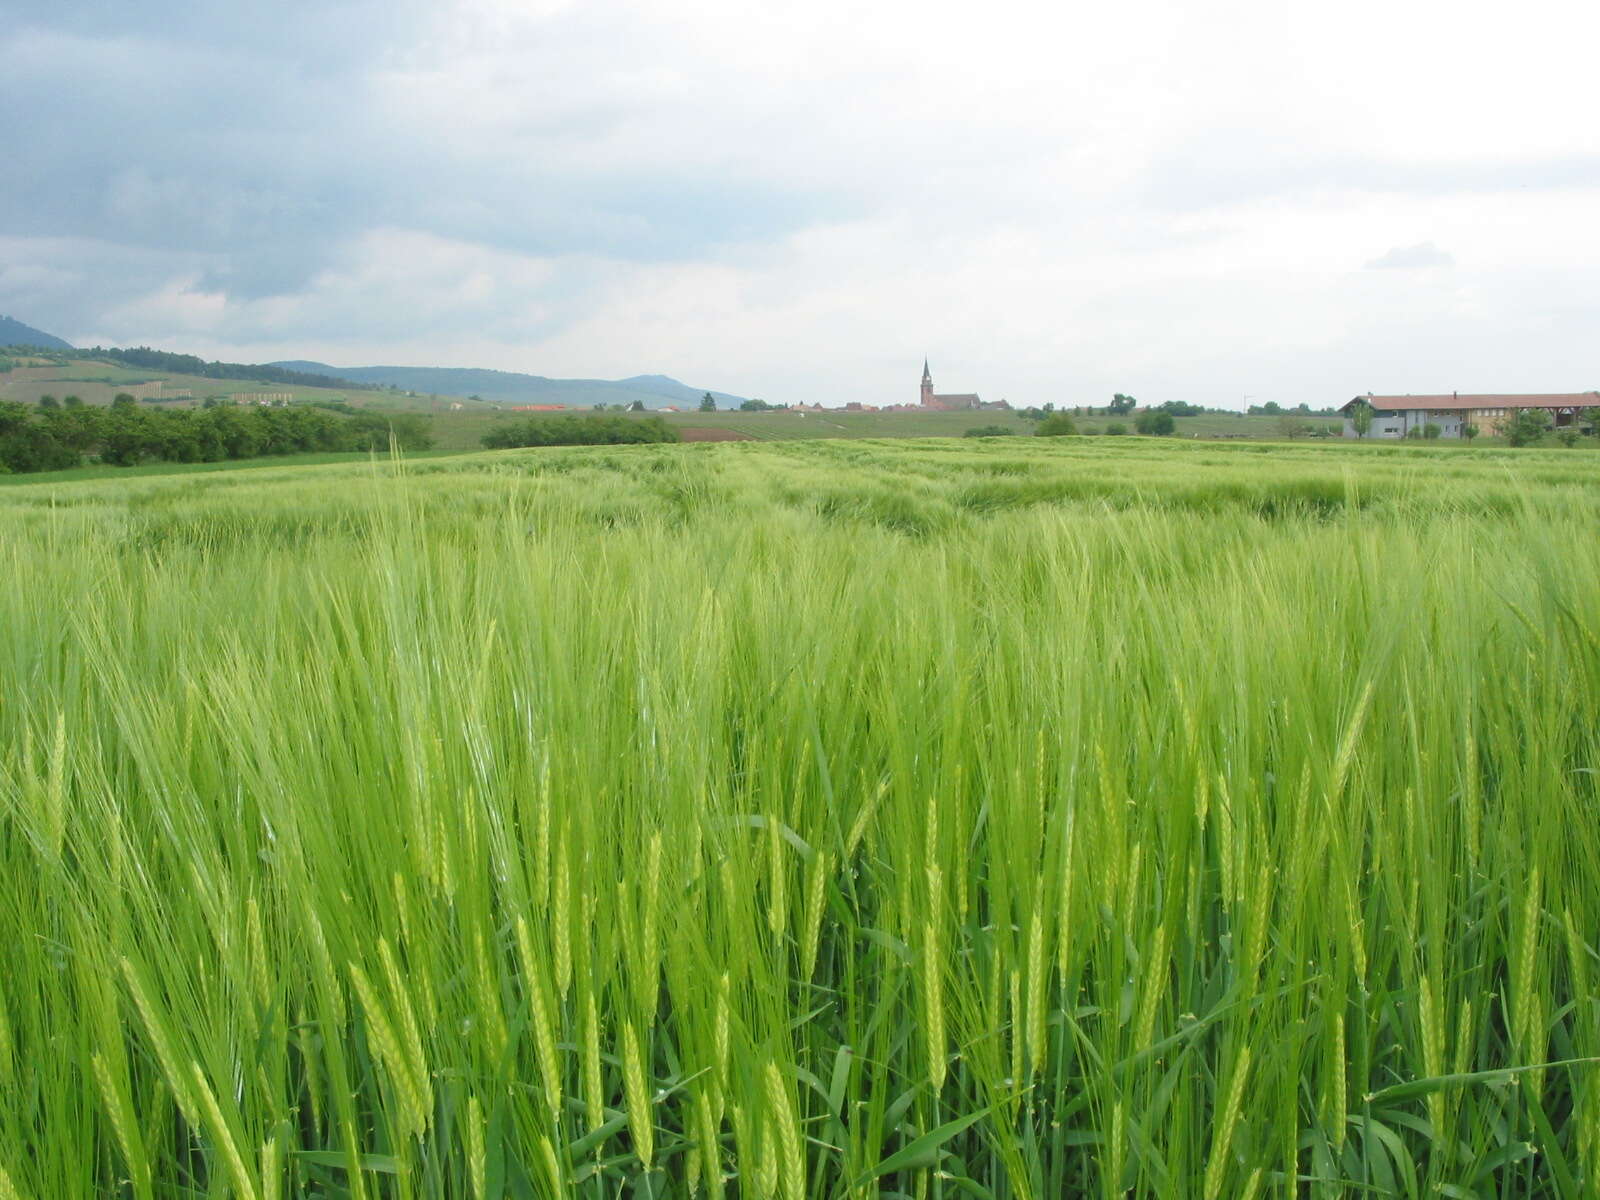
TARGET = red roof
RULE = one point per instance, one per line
(1455, 400)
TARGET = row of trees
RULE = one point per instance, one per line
(1122, 405)
(1273, 409)
(579, 431)
(1153, 423)
(708, 403)
(168, 363)
(46, 438)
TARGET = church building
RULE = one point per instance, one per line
(950, 403)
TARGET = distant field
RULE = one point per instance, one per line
(462, 428)
(787, 425)
(97, 383)
(152, 469)
(463, 431)
(1002, 820)
(458, 433)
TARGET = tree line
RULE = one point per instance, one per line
(1123, 405)
(55, 437)
(191, 364)
(1153, 423)
(579, 431)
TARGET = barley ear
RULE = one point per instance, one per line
(222, 1135)
(1227, 1117)
(788, 1134)
(633, 1083)
(477, 1158)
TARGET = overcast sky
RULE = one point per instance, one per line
(798, 201)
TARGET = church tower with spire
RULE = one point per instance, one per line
(945, 403)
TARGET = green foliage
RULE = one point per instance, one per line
(989, 431)
(1057, 424)
(1567, 436)
(579, 431)
(708, 403)
(751, 405)
(365, 429)
(804, 821)
(1431, 431)
(1116, 429)
(1154, 423)
(1291, 427)
(1526, 426)
(1361, 415)
(52, 439)
(27, 442)
(1121, 404)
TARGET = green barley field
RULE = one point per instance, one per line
(802, 820)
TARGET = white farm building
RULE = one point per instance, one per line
(1397, 416)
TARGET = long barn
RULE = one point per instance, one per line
(1397, 416)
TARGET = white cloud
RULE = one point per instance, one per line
(1412, 258)
(800, 201)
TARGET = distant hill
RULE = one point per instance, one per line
(15, 333)
(189, 364)
(510, 387)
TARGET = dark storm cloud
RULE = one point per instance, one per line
(173, 147)
(261, 141)
(61, 281)
(319, 33)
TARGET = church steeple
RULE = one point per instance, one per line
(927, 385)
